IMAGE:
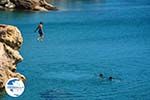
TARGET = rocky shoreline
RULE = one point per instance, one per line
(10, 43)
(34, 5)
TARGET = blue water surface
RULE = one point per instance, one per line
(83, 39)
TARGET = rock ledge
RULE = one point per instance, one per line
(10, 43)
(34, 5)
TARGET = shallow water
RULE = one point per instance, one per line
(82, 39)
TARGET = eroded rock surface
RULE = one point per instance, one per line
(35, 5)
(10, 43)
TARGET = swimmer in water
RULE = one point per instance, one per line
(101, 76)
(110, 78)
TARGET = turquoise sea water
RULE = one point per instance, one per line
(82, 39)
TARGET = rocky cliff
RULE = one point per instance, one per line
(10, 43)
(36, 5)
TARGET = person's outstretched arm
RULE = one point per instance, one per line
(36, 29)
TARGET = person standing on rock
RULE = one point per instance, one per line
(40, 31)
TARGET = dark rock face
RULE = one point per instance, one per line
(37, 5)
(3, 2)
(26, 4)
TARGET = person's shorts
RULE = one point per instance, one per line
(40, 33)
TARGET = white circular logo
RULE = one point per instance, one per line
(14, 87)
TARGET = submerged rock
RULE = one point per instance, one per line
(10, 43)
(36, 5)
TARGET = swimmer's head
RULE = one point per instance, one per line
(41, 22)
(101, 75)
(110, 78)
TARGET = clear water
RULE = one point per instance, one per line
(82, 39)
